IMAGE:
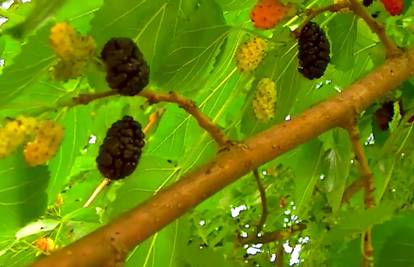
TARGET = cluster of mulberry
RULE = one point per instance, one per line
(72, 49)
(15, 133)
(126, 69)
(264, 100)
(121, 149)
(250, 54)
(45, 144)
(268, 13)
(394, 7)
(41, 139)
(314, 50)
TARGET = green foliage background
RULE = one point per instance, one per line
(190, 47)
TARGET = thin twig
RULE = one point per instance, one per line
(280, 253)
(352, 189)
(367, 248)
(153, 119)
(171, 97)
(84, 99)
(274, 236)
(368, 182)
(95, 193)
(191, 108)
(375, 26)
(313, 12)
(366, 173)
(263, 200)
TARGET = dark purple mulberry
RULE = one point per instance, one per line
(367, 2)
(314, 50)
(121, 149)
(126, 69)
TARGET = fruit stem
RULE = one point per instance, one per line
(95, 193)
(391, 48)
(205, 122)
(153, 119)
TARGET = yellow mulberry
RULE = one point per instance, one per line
(16, 132)
(68, 44)
(45, 144)
(250, 54)
(264, 100)
(72, 49)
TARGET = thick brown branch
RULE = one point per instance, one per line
(132, 228)
(375, 26)
(191, 108)
(274, 236)
(263, 201)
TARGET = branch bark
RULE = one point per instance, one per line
(105, 246)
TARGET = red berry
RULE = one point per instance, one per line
(394, 7)
(267, 13)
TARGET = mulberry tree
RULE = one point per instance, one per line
(206, 133)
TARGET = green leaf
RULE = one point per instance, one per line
(152, 24)
(342, 34)
(20, 78)
(338, 162)
(353, 222)
(22, 192)
(307, 172)
(152, 174)
(75, 122)
(192, 55)
(42, 10)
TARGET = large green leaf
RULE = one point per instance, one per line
(307, 166)
(33, 62)
(342, 34)
(338, 163)
(192, 55)
(22, 192)
(75, 122)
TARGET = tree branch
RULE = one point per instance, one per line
(263, 200)
(191, 108)
(274, 236)
(366, 173)
(369, 185)
(378, 28)
(100, 247)
(171, 97)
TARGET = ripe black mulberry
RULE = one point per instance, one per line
(314, 51)
(367, 2)
(121, 149)
(126, 69)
